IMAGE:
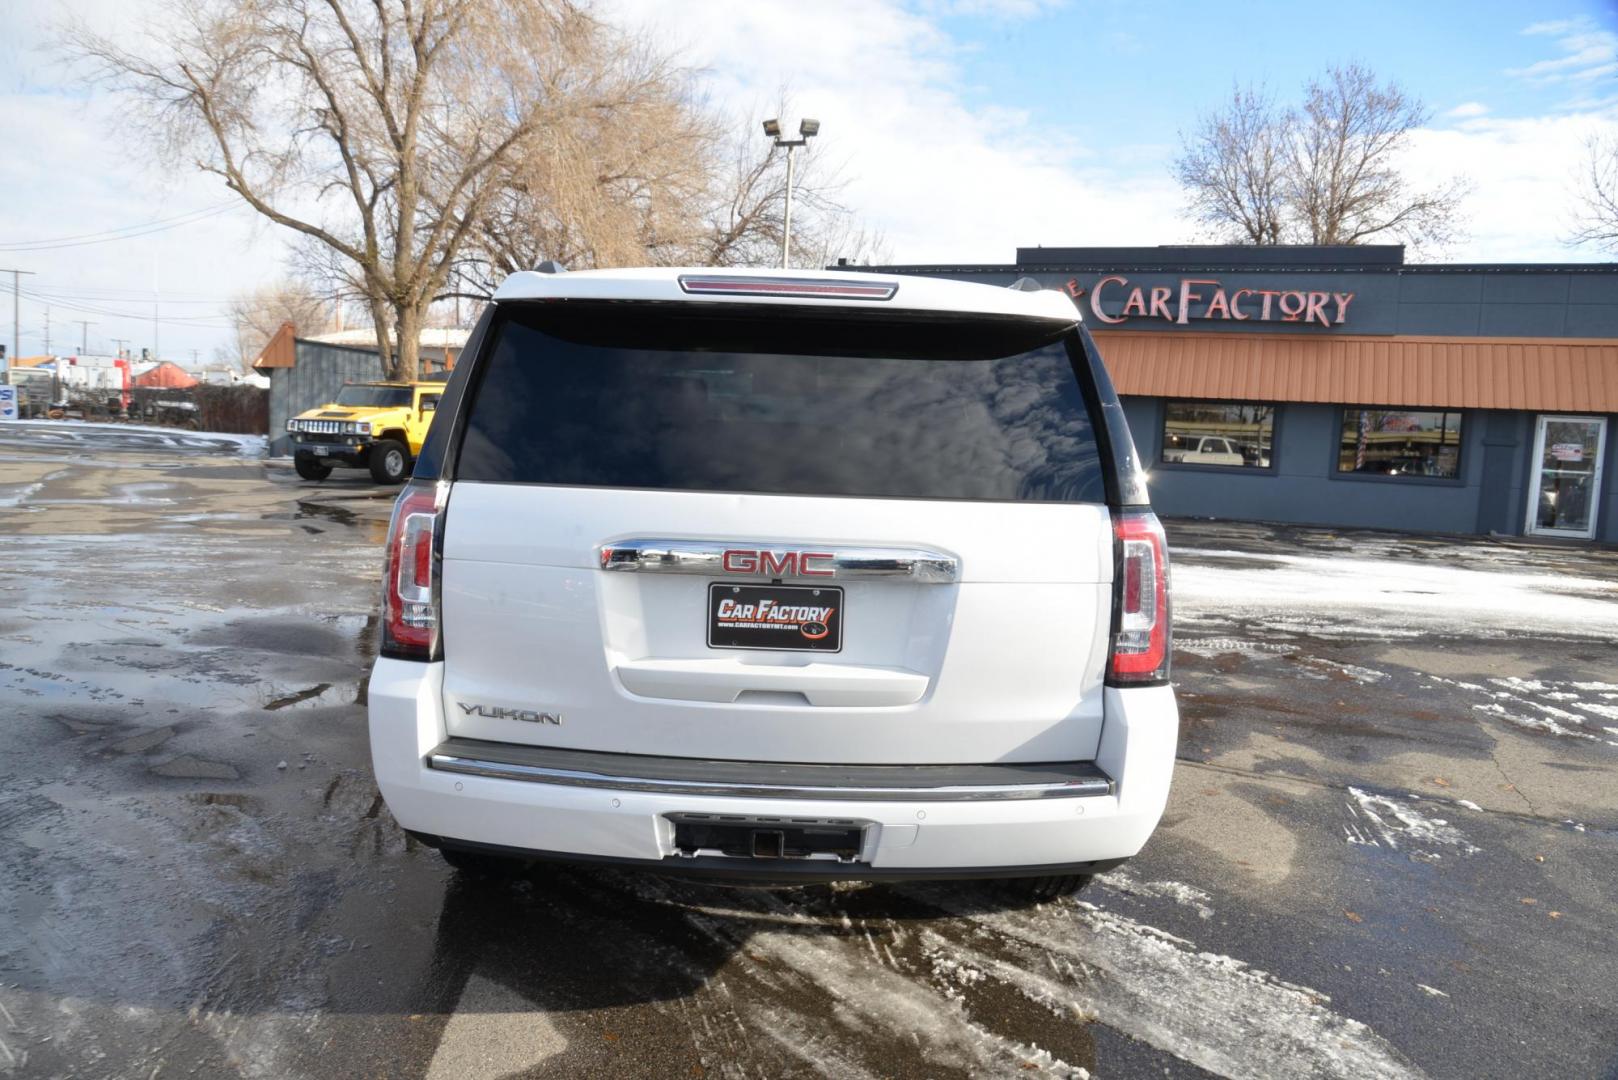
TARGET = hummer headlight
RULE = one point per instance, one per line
(365, 428)
(292, 425)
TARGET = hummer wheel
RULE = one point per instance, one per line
(310, 469)
(390, 462)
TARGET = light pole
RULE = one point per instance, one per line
(807, 129)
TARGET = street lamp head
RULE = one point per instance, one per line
(808, 128)
(772, 128)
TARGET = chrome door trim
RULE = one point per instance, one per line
(830, 562)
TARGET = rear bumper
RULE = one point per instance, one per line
(907, 836)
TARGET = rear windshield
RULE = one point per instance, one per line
(709, 398)
(374, 396)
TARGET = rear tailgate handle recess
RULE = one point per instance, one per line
(718, 559)
(724, 680)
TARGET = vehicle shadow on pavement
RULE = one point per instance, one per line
(583, 938)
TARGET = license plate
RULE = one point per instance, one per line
(803, 618)
(322, 451)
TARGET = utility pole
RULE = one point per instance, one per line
(120, 342)
(47, 329)
(84, 341)
(16, 319)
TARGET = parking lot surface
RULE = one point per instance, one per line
(1391, 850)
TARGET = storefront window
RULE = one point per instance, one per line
(1216, 433)
(1384, 442)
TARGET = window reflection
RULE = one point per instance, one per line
(1401, 443)
(1232, 435)
(557, 407)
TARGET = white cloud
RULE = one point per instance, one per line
(1522, 171)
(943, 180)
(1468, 110)
(1589, 53)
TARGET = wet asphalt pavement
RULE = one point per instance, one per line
(1391, 850)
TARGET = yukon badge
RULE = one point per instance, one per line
(496, 712)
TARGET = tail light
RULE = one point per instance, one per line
(410, 580)
(1140, 606)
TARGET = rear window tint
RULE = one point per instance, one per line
(731, 398)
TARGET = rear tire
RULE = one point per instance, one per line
(310, 469)
(476, 864)
(1043, 889)
(390, 462)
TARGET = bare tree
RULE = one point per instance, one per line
(1327, 172)
(257, 315)
(382, 129)
(601, 187)
(1344, 174)
(1234, 167)
(1596, 223)
(662, 182)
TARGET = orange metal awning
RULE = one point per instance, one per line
(1532, 374)
(280, 351)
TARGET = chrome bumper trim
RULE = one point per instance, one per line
(1067, 780)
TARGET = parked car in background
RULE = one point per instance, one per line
(375, 426)
(798, 577)
(1203, 450)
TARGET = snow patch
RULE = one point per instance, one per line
(1387, 598)
(1395, 824)
(1179, 892)
(1531, 723)
(1208, 1009)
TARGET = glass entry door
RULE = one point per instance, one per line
(1566, 491)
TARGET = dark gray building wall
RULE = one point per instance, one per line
(1305, 488)
(1468, 300)
(320, 372)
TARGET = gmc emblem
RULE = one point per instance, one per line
(776, 564)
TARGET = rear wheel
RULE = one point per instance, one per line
(390, 463)
(1041, 889)
(310, 469)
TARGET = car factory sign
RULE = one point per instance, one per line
(1206, 298)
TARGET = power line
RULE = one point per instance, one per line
(127, 232)
(206, 322)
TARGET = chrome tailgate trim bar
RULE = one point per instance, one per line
(759, 559)
(769, 780)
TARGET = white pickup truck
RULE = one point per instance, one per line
(1204, 450)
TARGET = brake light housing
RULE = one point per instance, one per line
(410, 581)
(1142, 643)
(813, 288)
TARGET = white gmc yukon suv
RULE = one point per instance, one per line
(790, 576)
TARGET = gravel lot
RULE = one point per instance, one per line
(1392, 847)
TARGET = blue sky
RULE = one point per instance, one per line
(965, 128)
(1112, 72)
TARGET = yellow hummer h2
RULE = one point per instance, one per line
(376, 426)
